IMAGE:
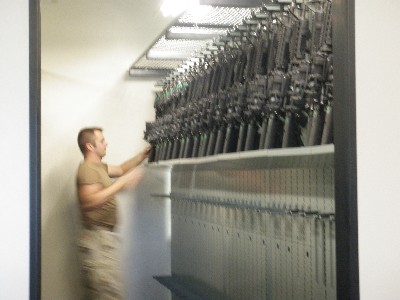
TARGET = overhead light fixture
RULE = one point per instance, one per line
(173, 8)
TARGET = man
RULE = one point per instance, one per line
(98, 243)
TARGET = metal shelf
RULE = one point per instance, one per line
(315, 156)
(170, 50)
(180, 289)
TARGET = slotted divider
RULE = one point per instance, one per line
(265, 231)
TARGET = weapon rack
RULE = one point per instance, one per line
(257, 223)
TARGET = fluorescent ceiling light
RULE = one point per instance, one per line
(176, 7)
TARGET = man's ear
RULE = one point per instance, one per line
(89, 146)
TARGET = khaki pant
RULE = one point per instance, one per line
(99, 251)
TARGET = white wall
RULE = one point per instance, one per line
(14, 150)
(378, 147)
(87, 48)
(122, 111)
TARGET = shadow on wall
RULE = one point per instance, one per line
(60, 226)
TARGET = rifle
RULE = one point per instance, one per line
(278, 84)
(299, 69)
(207, 122)
(220, 122)
(196, 127)
(296, 117)
(202, 128)
(231, 137)
(327, 101)
(148, 136)
(256, 102)
(319, 98)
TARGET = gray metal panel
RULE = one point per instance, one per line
(255, 233)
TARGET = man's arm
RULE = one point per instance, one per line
(116, 171)
(92, 196)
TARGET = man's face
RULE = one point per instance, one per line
(100, 145)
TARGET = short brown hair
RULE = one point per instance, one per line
(86, 135)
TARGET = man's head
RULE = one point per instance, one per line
(91, 139)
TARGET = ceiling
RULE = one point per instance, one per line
(83, 39)
(115, 36)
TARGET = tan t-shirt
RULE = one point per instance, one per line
(105, 215)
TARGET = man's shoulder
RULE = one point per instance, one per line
(86, 168)
(85, 164)
(89, 172)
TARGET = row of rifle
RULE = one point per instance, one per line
(266, 84)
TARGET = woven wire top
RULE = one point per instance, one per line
(229, 16)
(218, 16)
(156, 64)
(179, 45)
(198, 30)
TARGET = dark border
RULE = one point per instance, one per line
(345, 150)
(34, 150)
(347, 265)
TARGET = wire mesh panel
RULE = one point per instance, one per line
(216, 16)
(169, 53)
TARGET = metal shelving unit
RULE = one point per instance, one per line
(254, 224)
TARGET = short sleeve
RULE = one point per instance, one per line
(89, 175)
